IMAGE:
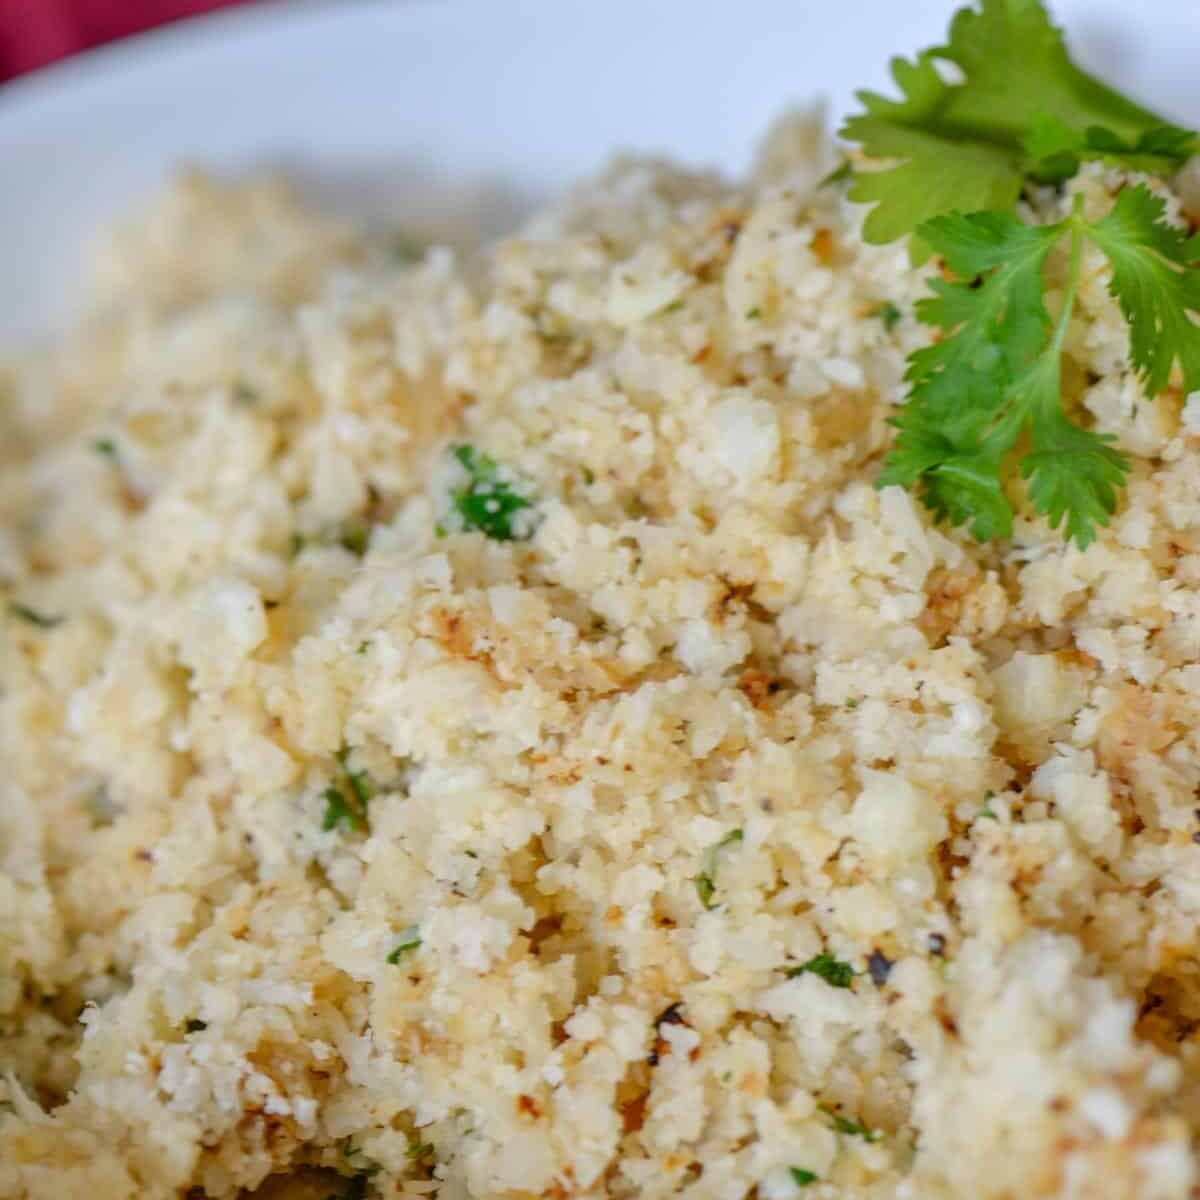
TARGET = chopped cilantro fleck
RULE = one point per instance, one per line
(355, 535)
(295, 544)
(409, 942)
(337, 811)
(706, 881)
(487, 503)
(753, 314)
(849, 1127)
(407, 248)
(105, 446)
(347, 804)
(802, 1177)
(888, 313)
(359, 781)
(835, 972)
(32, 617)
(244, 395)
(987, 811)
(674, 306)
(418, 1150)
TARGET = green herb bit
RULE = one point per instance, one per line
(487, 503)
(32, 617)
(295, 544)
(835, 972)
(888, 313)
(849, 1127)
(410, 941)
(802, 1177)
(354, 536)
(359, 781)
(407, 248)
(418, 1150)
(244, 395)
(674, 306)
(339, 812)
(105, 446)
(987, 810)
(753, 314)
(706, 881)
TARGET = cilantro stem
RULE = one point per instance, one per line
(1077, 224)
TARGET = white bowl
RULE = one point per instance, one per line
(403, 106)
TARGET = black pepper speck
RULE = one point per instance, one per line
(879, 966)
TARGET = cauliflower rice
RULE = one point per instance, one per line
(718, 711)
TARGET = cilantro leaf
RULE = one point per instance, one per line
(1022, 108)
(1074, 475)
(1157, 285)
(1054, 149)
(487, 502)
(802, 1176)
(932, 175)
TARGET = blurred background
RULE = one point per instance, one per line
(35, 33)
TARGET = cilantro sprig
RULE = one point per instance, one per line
(985, 401)
(996, 376)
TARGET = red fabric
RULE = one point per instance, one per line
(36, 32)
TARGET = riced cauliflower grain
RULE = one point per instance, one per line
(366, 831)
